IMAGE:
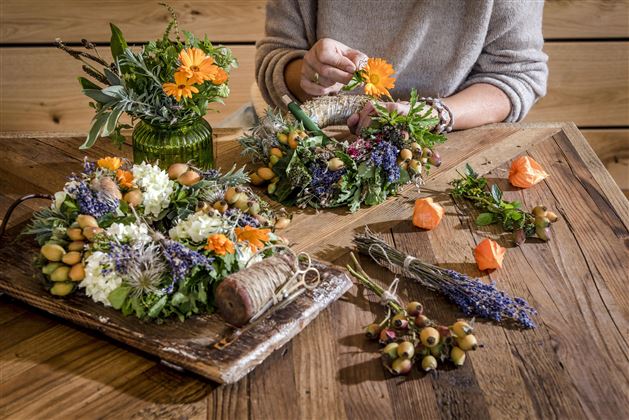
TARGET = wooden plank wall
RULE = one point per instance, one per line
(587, 41)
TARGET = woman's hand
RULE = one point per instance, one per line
(328, 66)
(362, 119)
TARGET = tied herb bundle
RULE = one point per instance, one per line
(494, 209)
(471, 295)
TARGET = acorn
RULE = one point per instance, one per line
(435, 159)
(406, 349)
(62, 288)
(401, 366)
(551, 216)
(282, 138)
(335, 164)
(457, 356)
(265, 173)
(75, 234)
(52, 252)
(60, 274)
(414, 308)
(421, 321)
(467, 342)
(429, 336)
(176, 170)
(539, 211)
(415, 166)
(372, 331)
(400, 321)
(77, 272)
(387, 335)
(391, 350)
(271, 188)
(134, 198)
(71, 258)
(255, 179)
(282, 223)
(85, 220)
(429, 363)
(276, 151)
(406, 155)
(253, 207)
(221, 206)
(189, 178)
(50, 267)
(90, 232)
(232, 194)
(461, 328)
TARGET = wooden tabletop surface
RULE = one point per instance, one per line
(574, 365)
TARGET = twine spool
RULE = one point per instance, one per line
(248, 292)
(329, 111)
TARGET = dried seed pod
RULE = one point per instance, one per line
(276, 151)
(429, 363)
(85, 220)
(457, 356)
(77, 272)
(406, 155)
(406, 349)
(539, 211)
(71, 258)
(52, 252)
(221, 206)
(551, 216)
(62, 288)
(414, 308)
(467, 342)
(265, 173)
(415, 166)
(75, 234)
(177, 169)
(435, 159)
(401, 366)
(76, 246)
(90, 232)
(189, 178)
(372, 331)
(421, 321)
(134, 198)
(256, 179)
(429, 336)
(461, 328)
(391, 351)
(400, 321)
(60, 274)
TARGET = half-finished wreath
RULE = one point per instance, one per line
(305, 168)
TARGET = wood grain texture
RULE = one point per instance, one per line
(612, 148)
(588, 84)
(574, 365)
(576, 19)
(41, 21)
(51, 100)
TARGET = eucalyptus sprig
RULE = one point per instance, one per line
(494, 209)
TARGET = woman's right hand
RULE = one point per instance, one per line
(328, 66)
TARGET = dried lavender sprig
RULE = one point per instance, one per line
(472, 296)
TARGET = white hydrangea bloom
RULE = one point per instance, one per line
(97, 285)
(156, 187)
(134, 233)
(197, 227)
(244, 254)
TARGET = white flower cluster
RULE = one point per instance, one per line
(133, 233)
(98, 285)
(156, 187)
(197, 227)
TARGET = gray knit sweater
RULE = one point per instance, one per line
(437, 46)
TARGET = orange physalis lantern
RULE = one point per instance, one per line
(489, 255)
(427, 214)
(525, 172)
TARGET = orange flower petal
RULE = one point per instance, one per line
(489, 255)
(111, 163)
(219, 244)
(125, 178)
(254, 236)
(525, 172)
(427, 214)
(221, 76)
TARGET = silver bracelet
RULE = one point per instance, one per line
(446, 119)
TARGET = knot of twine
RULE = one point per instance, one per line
(390, 295)
(295, 285)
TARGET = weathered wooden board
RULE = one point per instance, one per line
(188, 344)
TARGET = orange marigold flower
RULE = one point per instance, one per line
(377, 74)
(525, 172)
(427, 214)
(489, 255)
(182, 87)
(124, 178)
(109, 162)
(220, 77)
(254, 236)
(220, 244)
(197, 66)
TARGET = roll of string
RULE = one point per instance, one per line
(246, 294)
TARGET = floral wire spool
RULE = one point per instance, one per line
(245, 295)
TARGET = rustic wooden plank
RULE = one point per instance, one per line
(32, 21)
(588, 84)
(32, 102)
(612, 148)
(565, 19)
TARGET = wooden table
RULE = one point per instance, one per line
(574, 365)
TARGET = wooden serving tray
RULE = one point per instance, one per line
(188, 345)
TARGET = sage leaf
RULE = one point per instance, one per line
(485, 219)
(118, 296)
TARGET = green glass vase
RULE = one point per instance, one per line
(176, 144)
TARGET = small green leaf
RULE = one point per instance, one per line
(118, 296)
(496, 193)
(118, 43)
(112, 121)
(469, 171)
(98, 95)
(88, 84)
(485, 219)
(97, 125)
(158, 306)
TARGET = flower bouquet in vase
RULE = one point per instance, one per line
(165, 88)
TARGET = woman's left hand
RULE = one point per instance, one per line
(362, 119)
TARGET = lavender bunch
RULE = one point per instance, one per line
(94, 203)
(182, 259)
(471, 295)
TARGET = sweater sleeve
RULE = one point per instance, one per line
(290, 31)
(512, 58)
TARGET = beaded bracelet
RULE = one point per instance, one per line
(446, 119)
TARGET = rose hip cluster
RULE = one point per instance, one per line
(409, 337)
